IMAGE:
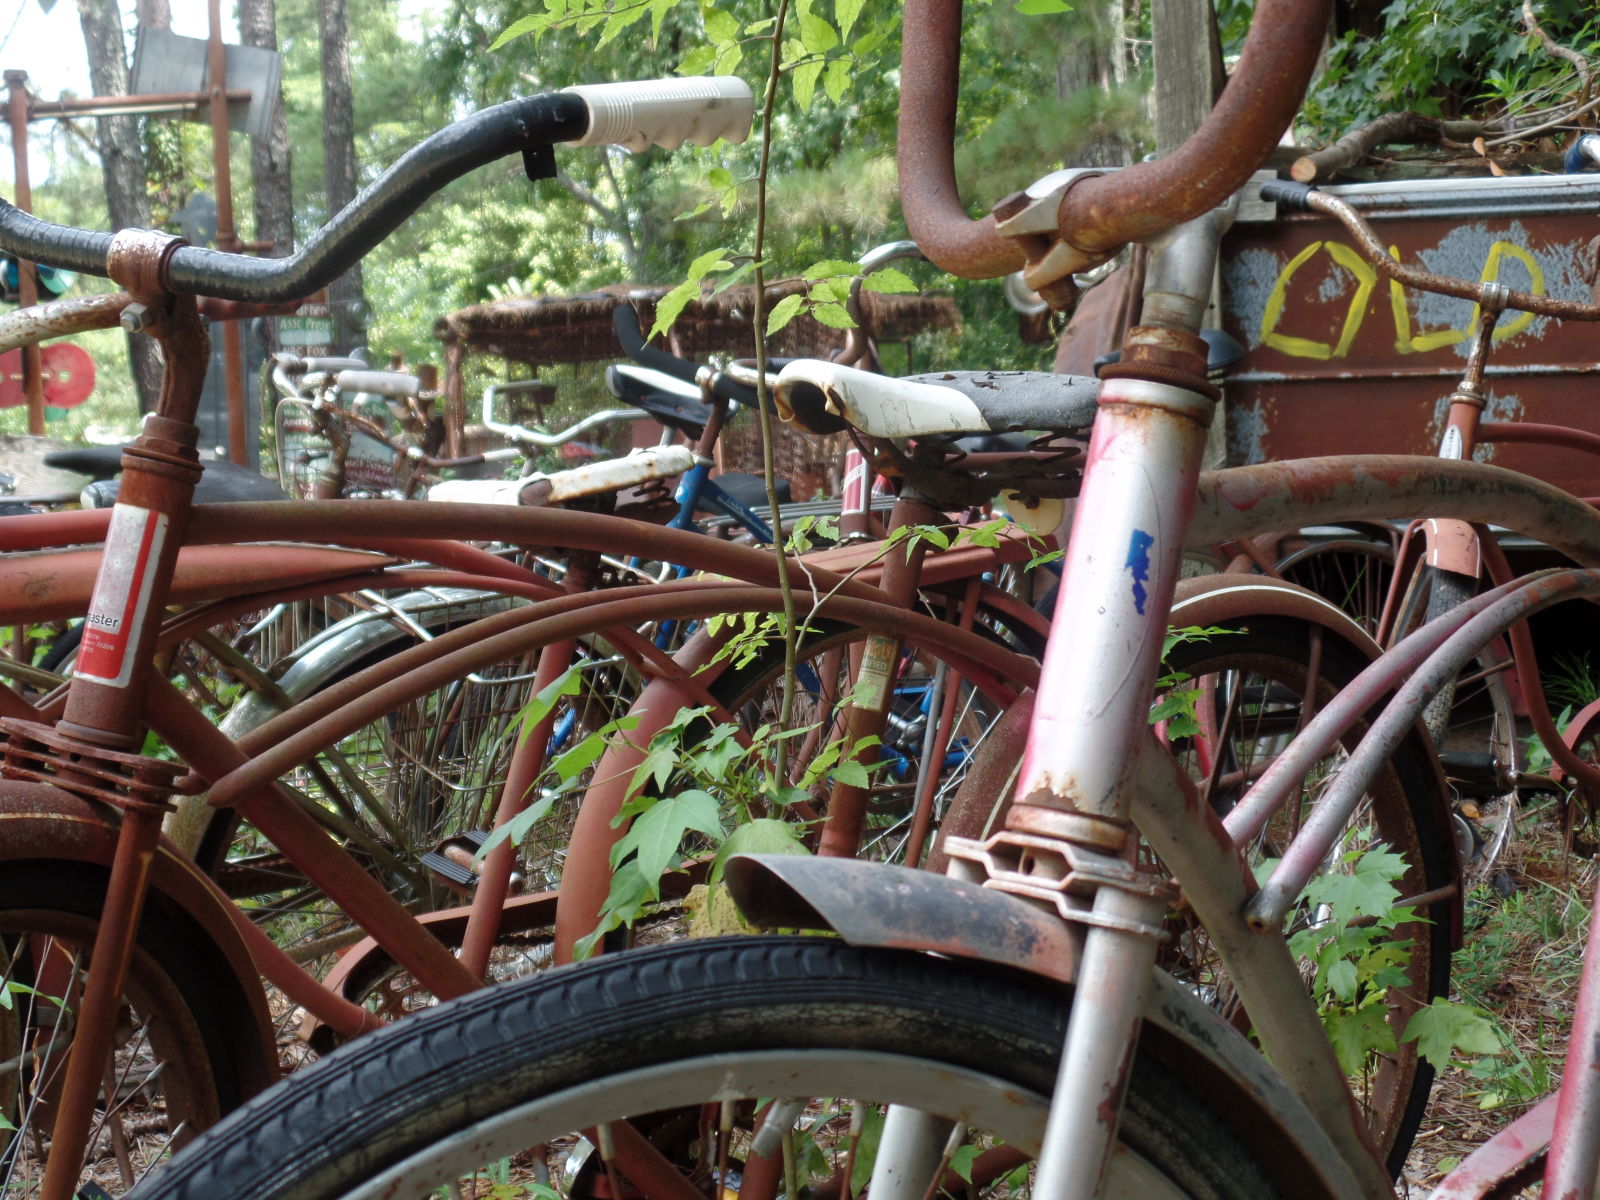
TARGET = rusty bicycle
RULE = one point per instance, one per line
(137, 1014)
(1015, 1025)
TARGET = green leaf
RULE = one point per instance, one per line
(1037, 8)
(830, 268)
(804, 82)
(835, 316)
(619, 20)
(653, 841)
(870, 41)
(1357, 1032)
(852, 774)
(698, 61)
(711, 260)
(767, 835)
(624, 901)
(1365, 892)
(535, 24)
(728, 59)
(672, 304)
(867, 1149)
(846, 12)
(719, 177)
(1341, 978)
(700, 811)
(658, 10)
(713, 758)
(574, 760)
(517, 828)
(1445, 1027)
(889, 280)
(539, 707)
(961, 1161)
(783, 312)
(836, 79)
(816, 35)
(722, 28)
(834, 289)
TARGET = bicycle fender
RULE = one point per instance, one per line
(41, 822)
(874, 904)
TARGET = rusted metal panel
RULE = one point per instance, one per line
(1340, 361)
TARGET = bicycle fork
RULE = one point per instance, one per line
(1068, 839)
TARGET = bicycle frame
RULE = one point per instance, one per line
(1091, 772)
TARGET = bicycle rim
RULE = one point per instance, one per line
(1253, 682)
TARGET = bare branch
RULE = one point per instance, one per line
(1579, 63)
(1392, 127)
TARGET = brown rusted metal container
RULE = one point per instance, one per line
(1340, 361)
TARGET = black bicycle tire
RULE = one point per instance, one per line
(1413, 830)
(42, 893)
(384, 1097)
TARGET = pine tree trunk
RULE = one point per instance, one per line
(121, 160)
(339, 155)
(269, 156)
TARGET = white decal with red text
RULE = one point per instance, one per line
(121, 594)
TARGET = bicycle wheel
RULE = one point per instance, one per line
(677, 1046)
(173, 1069)
(1253, 690)
(1473, 723)
(412, 793)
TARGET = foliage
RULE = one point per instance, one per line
(1176, 706)
(704, 778)
(1355, 956)
(1446, 58)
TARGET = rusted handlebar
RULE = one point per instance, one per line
(1104, 212)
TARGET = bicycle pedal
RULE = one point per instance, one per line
(454, 862)
(1473, 773)
(450, 871)
(92, 1191)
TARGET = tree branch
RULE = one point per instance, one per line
(1391, 127)
(612, 217)
(1579, 63)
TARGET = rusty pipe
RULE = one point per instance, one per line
(930, 70)
(1100, 213)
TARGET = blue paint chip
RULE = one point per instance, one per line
(1139, 563)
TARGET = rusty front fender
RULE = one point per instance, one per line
(41, 823)
(872, 904)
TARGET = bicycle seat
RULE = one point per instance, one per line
(824, 397)
(749, 490)
(221, 481)
(676, 406)
(559, 487)
(98, 462)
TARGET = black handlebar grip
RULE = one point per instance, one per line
(448, 154)
(1292, 195)
(625, 323)
(54, 245)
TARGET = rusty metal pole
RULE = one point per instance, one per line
(27, 287)
(227, 236)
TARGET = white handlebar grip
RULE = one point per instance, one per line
(666, 112)
(379, 383)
